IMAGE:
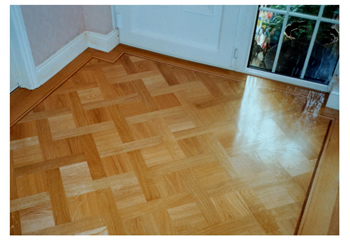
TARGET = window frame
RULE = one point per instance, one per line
(287, 13)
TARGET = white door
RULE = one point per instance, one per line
(201, 33)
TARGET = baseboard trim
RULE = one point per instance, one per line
(73, 49)
(60, 59)
(333, 99)
(21, 52)
(101, 42)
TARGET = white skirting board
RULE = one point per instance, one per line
(333, 99)
(65, 55)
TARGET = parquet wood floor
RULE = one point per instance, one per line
(143, 147)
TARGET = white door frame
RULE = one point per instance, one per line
(246, 30)
(23, 68)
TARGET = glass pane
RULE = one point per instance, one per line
(267, 33)
(297, 36)
(331, 11)
(307, 9)
(325, 54)
(281, 7)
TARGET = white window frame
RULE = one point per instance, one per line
(243, 44)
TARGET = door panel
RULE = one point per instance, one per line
(200, 33)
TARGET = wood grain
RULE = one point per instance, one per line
(134, 142)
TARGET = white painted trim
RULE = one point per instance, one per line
(21, 48)
(61, 58)
(114, 16)
(246, 30)
(103, 42)
(333, 99)
(69, 52)
(312, 42)
(280, 41)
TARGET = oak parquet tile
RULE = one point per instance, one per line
(170, 142)
(121, 124)
(56, 101)
(143, 225)
(36, 218)
(146, 129)
(23, 130)
(74, 227)
(108, 102)
(115, 164)
(163, 221)
(128, 64)
(98, 115)
(45, 114)
(90, 95)
(15, 224)
(171, 183)
(204, 204)
(154, 115)
(232, 201)
(153, 206)
(31, 184)
(261, 214)
(48, 165)
(142, 147)
(187, 216)
(109, 211)
(83, 206)
(40, 107)
(166, 101)
(77, 109)
(29, 201)
(97, 231)
(13, 185)
(92, 157)
(243, 226)
(128, 195)
(140, 168)
(26, 155)
(156, 155)
(145, 96)
(58, 197)
(167, 74)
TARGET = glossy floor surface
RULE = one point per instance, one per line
(143, 147)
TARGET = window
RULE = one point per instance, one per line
(300, 41)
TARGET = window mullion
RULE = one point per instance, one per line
(312, 42)
(280, 41)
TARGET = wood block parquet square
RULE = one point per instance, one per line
(144, 147)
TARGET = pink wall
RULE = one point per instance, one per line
(49, 28)
(98, 19)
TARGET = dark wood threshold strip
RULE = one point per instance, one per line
(311, 220)
(23, 100)
(325, 142)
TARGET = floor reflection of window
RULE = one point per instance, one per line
(300, 41)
